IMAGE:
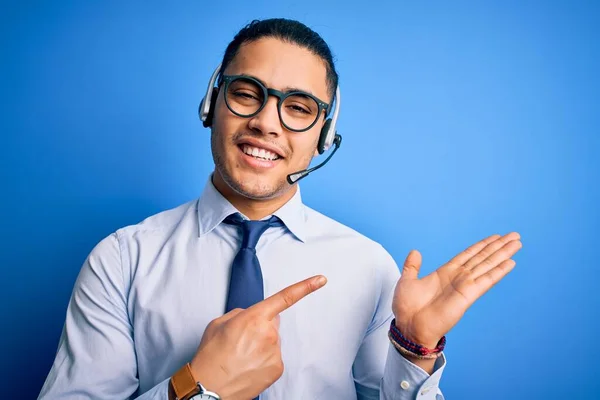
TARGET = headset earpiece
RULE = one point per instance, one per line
(208, 116)
(328, 132)
(322, 146)
(207, 105)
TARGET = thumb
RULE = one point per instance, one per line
(412, 264)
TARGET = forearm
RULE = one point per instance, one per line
(412, 370)
(406, 380)
(381, 372)
(426, 365)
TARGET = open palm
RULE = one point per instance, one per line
(427, 308)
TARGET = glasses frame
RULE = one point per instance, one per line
(281, 96)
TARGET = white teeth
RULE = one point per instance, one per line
(260, 153)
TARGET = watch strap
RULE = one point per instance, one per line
(184, 384)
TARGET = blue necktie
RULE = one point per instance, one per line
(246, 282)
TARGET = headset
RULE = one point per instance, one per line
(327, 137)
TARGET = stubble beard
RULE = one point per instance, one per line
(255, 191)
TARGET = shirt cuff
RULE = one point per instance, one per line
(158, 392)
(403, 380)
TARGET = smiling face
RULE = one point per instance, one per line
(253, 156)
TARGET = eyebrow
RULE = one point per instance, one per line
(286, 89)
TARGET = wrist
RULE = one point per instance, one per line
(427, 343)
(215, 378)
(208, 377)
(183, 385)
(411, 348)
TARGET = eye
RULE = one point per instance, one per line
(301, 105)
(299, 108)
(244, 94)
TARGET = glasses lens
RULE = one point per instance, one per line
(244, 96)
(299, 111)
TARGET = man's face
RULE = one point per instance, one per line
(280, 66)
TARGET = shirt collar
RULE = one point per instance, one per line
(213, 208)
(293, 216)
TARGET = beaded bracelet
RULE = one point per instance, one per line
(407, 353)
(409, 348)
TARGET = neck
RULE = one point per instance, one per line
(252, 208)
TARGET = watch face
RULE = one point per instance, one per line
(205, 394)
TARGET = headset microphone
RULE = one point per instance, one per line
(295, 177)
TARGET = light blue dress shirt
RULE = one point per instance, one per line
(146, 293)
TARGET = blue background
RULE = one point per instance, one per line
(460, 119)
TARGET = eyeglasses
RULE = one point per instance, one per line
(246, 97)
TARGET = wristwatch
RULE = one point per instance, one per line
(186, 387)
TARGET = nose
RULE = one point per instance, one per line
(267, 120)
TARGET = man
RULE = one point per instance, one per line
(247, 292)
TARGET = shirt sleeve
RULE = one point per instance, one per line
(380, 371)
(96, 356)
(405, 380)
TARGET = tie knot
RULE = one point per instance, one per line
(252, 230)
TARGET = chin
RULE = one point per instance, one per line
(256, 187)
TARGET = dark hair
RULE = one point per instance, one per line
(286, 30)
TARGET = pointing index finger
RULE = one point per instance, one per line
(284, 299)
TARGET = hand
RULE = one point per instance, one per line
(239, 355)
(427, 308)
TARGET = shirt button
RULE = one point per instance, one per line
(404, 385)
